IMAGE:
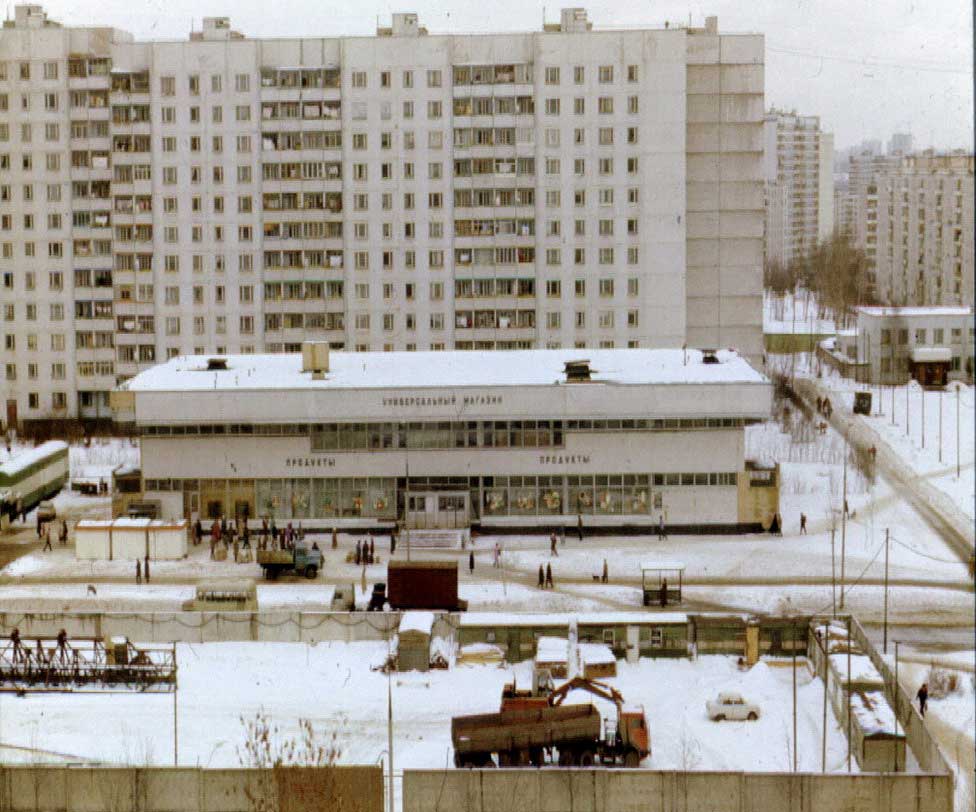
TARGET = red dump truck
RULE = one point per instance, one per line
(423, 585)
(574, 734)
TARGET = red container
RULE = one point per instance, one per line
(423, 585)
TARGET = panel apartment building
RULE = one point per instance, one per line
(563, 188)
(798, 162)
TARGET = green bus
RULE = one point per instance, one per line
(33, 476)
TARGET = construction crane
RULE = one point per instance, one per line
(595, 687)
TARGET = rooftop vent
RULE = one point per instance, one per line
(315, 358)
(577, 371)
(216, 365)
(710, 357)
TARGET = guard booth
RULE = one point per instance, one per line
(661, 582)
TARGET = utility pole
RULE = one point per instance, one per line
(923, 418)
(843, 532)
(896, 692)
(848, 693)
(406, 512)
(940, 424)
(908, 409)
(823, 727)
(887, 538)
(389, 712)
(793, 647)
(958, 466)
(833, 574)
(176, 737)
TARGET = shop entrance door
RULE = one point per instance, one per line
(438, 510)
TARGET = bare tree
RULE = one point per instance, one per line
(269, 750)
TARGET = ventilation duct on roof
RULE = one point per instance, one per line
(216, 364)
(578, 371)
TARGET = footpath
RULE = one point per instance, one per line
(941, 512)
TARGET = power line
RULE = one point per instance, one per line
(873, 63)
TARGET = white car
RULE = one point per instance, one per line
(731, 705)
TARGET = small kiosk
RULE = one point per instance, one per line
(661, 582)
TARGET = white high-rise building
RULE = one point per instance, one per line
(798, 171)
(569, 187)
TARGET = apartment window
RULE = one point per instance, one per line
(385, 79)
(359, 78)
(579, 256)
(408, 78)
(408, 109)
(433, 78)
(633, 254)
(553, 320)
(632, 74)
(605, 105)
(633, 195)
(552, 76)
(579, 74)
(632, 136)
(242, 83)
(579, 106)
(606, 166)
(633, 105)
(434, 109)
(552, 107)
(167, 85)
(553, 198)
(436, 291)
(632, 166)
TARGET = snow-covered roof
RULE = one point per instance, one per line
(862, 669)
(378, 370)
(627, 618)
(942, 310)
(596, 654)
(874, 715)
(512, 619)
(930, 355)
(421, 622)
(662, 565)
(30, 456)
(552, 650)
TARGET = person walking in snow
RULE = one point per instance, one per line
(359, 554)
(372, 549)
(63, 535)
(803, 524)
(549, 584)
(552, 544)
(138, 571)
(542, 578)
(471, 562)
(662, 533)
(579, 525)
(335, 539)
(146, 568)
(47, 540)
(923, 698)
(606, 572)
(15, 642)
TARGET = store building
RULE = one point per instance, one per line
(522, 439)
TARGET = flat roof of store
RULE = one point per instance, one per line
(935, 310)
(379, 370)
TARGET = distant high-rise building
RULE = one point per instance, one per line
(568, 187)
(798, 169)
(900, 144)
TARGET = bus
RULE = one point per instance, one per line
(32, 476)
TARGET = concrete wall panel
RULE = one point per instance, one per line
(704, 79)
(743, 48)
(742, 78)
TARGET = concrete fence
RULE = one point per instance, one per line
(923, 746)
(164, 789)
(555, 790)
(213, 627)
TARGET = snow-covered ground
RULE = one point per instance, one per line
(927, 448)
(333, 686)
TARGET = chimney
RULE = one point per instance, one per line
(711, 25)
(315, 358)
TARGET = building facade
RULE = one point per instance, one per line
(568, 187)
(523, 439)
(925, 231)
(798, 170)
(888, 340)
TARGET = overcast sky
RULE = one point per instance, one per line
(866, 67)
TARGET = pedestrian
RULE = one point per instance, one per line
(549, 576)
(774, 528)
(15, 642)
(139, 570)
(237, 550)
(664, 593)
(393, 541)
(147, 569)
(359, 553)
(662, 533)
(63, 645)
(335, 539)
(495, 555)
(606, 572)
(64, 532)
(40, 525)
(579, 525)
(542, 577)
(247, 537)
(552, 544)
(819, 404)
(847, 510)
(923, 698)
(372, 549)
(803, 524)
(471, 562)
(47, 540)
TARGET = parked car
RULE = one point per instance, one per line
(46, 512)
(731, 705)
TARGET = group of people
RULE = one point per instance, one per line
(365, 551)
(44, 532)
(62, 651)
(824, 407)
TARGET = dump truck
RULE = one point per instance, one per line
(423, 585)
(573, 735)
(301, 559)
